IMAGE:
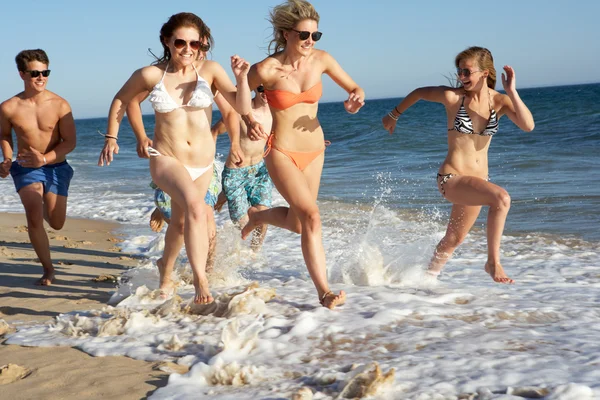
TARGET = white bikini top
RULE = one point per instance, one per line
(162, 101)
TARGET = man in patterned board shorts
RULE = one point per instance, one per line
(246, 182)
(45, 132)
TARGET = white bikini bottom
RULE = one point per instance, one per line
(195, 172)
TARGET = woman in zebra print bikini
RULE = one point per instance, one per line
(473, 111)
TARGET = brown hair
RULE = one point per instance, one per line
(285, 16)
(484, 60)
(26, 56)
(178, 21)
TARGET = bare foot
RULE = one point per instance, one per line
(47, 279)
(202, 292)
(166, 286)
(156, 220)
(497, 273)
(332, 300)
(251, 225)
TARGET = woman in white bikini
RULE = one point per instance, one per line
(181, 92)
(473, 111)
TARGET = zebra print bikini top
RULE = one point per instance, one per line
(463, 123)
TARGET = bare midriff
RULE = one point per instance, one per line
(185, 134)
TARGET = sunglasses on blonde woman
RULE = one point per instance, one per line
(35, 73)
(303, 35)
(194, 45)
(464, 72)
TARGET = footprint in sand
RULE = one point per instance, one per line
(10, 373)
(21, 228)
(64, 263)
(71, 245)
(114, 240)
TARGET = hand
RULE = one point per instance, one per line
(256, 131)
(5, 168)
(509, 81)
(142, 147)
(106, 155)
(354, 103)
(389, 123)
(239, 66)
(237, 155)
(31, 159)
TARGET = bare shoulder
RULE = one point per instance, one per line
(322, 55)
(452, 94)
(8, 106)
(151, 74)
(267, 68)
(499, 98)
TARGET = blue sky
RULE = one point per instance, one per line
(388, 46)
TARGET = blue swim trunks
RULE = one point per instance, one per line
(55, 177)
(163, 200)
(245, 187)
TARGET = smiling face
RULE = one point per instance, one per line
(38, 83)
(183, 45)
(296, 44)
(471, 75)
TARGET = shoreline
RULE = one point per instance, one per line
(83, 250)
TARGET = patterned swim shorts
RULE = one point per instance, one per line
(245, 187)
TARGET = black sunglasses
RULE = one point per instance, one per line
(465, 72)
(194, 45)
(35, 73)
(260, 89)
(303, 35)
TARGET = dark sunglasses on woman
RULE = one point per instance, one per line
(303, 35)
(194, 45)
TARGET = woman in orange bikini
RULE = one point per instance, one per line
(295, 150)
(473, 111)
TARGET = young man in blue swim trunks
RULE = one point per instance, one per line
(246, 181)
(45, 132)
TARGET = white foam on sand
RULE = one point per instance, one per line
(401, 334)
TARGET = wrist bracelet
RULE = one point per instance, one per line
(392, 116)
(110, 137)
(45, 162)
(396, 109)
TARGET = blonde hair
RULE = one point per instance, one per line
(285, 16)
(484, 60)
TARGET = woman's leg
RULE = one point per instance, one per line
(173, 244)
(473, 191)
(170, 175)
(300, 189)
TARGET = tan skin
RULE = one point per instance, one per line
(297, 68)
(44, 128)
(157, 219)
(467, 159)
(183, 137)
(245, 152)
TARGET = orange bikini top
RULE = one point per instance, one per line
(282, 99)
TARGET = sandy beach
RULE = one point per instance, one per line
(82, 250)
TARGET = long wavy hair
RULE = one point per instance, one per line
(285, 16)
(483, 58)
(177, 21)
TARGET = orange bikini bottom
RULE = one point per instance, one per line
(301, 159)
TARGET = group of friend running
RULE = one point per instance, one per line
(182, 86)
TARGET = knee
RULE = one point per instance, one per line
(502, 201)
(196, 211)
(312, 220)
(177, 225)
